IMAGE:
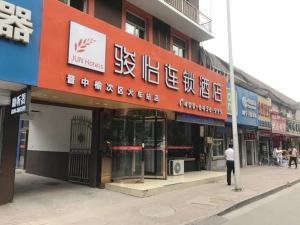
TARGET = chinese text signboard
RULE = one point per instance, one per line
(247, 107)
(20, 23)
(278, 123)
(15, 22)
(134, 71)
(20, 102)
(264, 113)
(293, 127)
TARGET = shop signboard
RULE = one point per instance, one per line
(293, 127)
(20, 23)
(20, 102)
(86, 47)
(127, 69)
(278, 123)
(250, 135)
(264, 113)
(247, 107)
(187, 118)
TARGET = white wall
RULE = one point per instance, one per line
(49, 129)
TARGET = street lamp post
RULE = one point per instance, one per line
(233, 107)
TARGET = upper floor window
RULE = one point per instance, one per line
(77, 4)
(179, 47)
(135, 26)
(161, 33)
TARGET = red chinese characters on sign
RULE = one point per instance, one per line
(250, 135)
(278, 124)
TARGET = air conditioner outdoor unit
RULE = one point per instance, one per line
(176, 167)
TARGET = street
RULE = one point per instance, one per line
(46, 201)
(280, 208)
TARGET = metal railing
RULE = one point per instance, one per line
(192, 12)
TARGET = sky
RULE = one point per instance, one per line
(265, 38)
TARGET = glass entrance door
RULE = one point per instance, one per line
(129, 134)
(155, 148)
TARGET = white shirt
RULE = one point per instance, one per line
(229, 154)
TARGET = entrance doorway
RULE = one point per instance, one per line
(135, 138)
(155, 148)
(250, 151)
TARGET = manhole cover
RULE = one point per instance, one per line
(157, 211)
(52, 183)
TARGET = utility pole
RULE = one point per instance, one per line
(233, 107)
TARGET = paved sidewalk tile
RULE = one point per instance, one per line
(44, 201)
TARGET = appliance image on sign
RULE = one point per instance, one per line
(87, 47)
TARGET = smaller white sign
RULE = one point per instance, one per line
(87, 47)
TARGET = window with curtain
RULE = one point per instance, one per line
(179, 47)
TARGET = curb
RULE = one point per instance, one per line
(257, 197)
(217, 218)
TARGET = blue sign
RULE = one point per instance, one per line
(19, 60)
(247, 107)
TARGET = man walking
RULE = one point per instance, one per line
(293, 157)
(229, 155)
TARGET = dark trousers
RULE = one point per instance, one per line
(230, 168)
(293, 159)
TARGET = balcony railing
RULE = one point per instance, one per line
(191, 12)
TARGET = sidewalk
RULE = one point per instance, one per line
(43, 201)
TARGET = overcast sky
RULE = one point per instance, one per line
(266, 39)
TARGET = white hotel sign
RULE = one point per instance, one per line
(87, 47)
(15, 22)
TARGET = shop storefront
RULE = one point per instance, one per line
(247, 119)
(137, 92)
(205, 148)
(265, 135)
(293, 129)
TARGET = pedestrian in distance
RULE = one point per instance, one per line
(279, 157)
(229, 155)
(293, 157)
(275, 156)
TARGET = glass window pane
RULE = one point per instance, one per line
(135, 20)
(179, 46)
(135, 26)
(130, 29)
(175, 50)
(78, 4)
(64, 1)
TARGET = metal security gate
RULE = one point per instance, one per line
(80, 150)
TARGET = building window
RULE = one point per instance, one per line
(179, 47)
(77, 4)
(161, 34)
(135, 25)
